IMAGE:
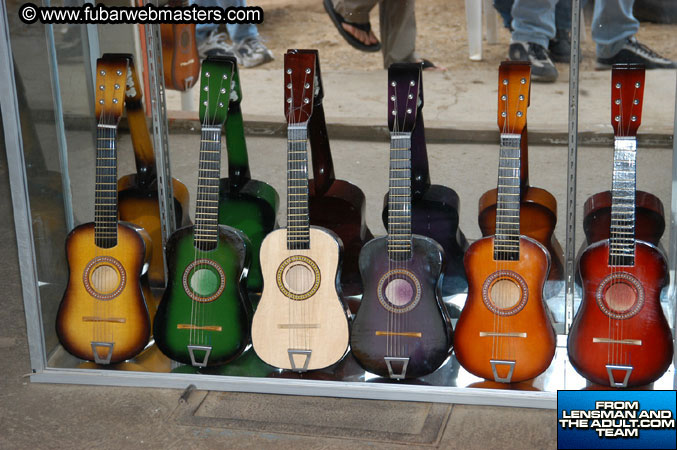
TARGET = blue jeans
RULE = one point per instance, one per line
(562, 13)
(612, 23)
(238, 32)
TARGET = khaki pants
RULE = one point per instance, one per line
(397, 23)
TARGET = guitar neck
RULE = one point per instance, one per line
(323, 165)
(420, 172)
(106, 202)
(238, 160)
(399, 197)
(506, 241)
(207, 203)
(298, 223)
(622, 237)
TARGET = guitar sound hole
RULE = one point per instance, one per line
(105, 279)
(204, 282)
(399, 292)
(505, 294)
(620, 296)
(299, 279)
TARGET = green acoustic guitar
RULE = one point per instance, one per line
(204, 316)
(246, 204)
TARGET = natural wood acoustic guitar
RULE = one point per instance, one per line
(103, 315)
(301, 322)
(620, 337)
(504, 333)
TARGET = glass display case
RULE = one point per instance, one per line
(48, 111)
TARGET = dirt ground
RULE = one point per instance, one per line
(441, 36)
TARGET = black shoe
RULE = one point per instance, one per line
(542, 68)
(634, 52)
(560, 46)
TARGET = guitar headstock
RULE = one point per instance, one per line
(299, 86)
(514, 87)
(405, 95)
(627, 94)
(235, 88)
(319, 90)
(215, 87)
(111, 76)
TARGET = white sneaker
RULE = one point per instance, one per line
(251, 52)
(215, 45)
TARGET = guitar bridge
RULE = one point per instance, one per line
(105, 345)
(202, 348)
(612, 380)
(296, 352)
(389, 363)
(502, 362)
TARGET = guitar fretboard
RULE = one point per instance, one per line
(298, 224)
(622, 239)
(399, 197)
(507, 239)
(106, 196)
(207, 204)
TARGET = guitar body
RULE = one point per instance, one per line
(139, 205)
(649, 216)
(513, 289)
(316, 319)
(341, 209)
(636, 295)
(104, 301)
(180, 58)
(220, 316)
(251, 209)
(538, 217)
(435, 214)
(414, 282)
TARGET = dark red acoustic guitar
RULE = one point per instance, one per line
(620, 337)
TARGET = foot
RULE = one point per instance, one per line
(366, 37)
(251, 52)
(428, 66)
(215, 44)
(542, 68)
(560, 46)
(635, 52)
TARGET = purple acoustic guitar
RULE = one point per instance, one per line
(401, 329)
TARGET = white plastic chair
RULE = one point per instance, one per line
(473, 18)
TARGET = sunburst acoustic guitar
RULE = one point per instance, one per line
(504, 333)
(180, 58)
(620, 337)
(301, 322)
(204, 316)
(401, 330)
(103, 315)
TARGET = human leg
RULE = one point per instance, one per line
(351, 18)
(398, 31)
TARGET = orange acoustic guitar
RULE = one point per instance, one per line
(180, 59)
(538, 212)
(620, 337)
(103, 315)
(503, 333)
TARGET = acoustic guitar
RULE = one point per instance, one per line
(620, 337)
(246, 204)
(138, 193)
(336, 205)
(504, 333)
(538, 212)
(300, 322)
(204, 316)
(103, 315)
(402, 329)
(435, 209)
(180, 58)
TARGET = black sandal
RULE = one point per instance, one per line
(352, 40)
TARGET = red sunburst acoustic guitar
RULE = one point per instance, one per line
(620, 337)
